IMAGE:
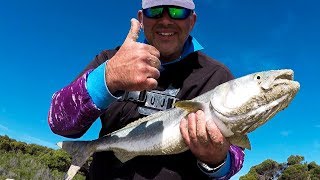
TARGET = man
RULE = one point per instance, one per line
(138, 79)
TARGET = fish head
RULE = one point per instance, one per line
(245, 103)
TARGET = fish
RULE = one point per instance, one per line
(237, 107)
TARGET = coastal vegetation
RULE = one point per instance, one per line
(19, 160)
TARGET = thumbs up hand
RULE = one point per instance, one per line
(135, 66)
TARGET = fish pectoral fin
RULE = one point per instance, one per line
(124, 156)
(189, 106)
(241, 141)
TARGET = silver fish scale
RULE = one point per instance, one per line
(157, 134)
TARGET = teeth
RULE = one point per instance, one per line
(166, 34)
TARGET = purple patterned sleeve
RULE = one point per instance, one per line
(72, 111)
(237, 158)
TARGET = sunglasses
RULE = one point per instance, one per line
(174, 12)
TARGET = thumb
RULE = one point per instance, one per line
(134, 30)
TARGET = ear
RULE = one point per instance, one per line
(140, 18)
(193, 19)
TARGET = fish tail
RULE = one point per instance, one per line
(80, 152)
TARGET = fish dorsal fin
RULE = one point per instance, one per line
(241, 141)
(189, 106)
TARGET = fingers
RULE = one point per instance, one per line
(150, 84)
(152, 50)
(133, 34)
(151, 81)
(135, 65)
(184, 131)
(154, 73)
(203, 138)
(214, 134)
(212, 129)
(153, 61)
(197, 128)
(193, 129)
(201, 128)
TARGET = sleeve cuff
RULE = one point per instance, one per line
(223, 171)
(98, 89)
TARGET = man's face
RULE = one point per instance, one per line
(166, 34)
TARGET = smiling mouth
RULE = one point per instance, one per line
(166, 34)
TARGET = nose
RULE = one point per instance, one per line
(165, 19)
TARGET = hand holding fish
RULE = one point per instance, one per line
(135, 66)
(204, 138)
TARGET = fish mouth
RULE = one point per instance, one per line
(285, 77)
(279, 77)
(285, 74)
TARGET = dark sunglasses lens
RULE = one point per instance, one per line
(179, 13)
(155, 12)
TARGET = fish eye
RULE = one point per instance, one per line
(257, 77)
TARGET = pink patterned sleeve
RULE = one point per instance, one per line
(72, 111)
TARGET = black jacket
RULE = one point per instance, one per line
(194, 75)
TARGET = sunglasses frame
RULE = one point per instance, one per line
(187, 12)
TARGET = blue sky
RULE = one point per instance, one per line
(45, 44)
